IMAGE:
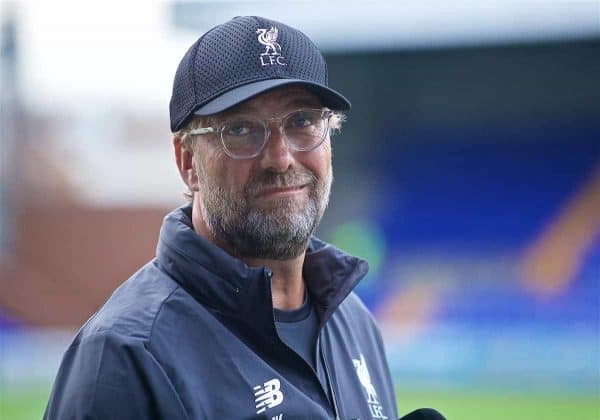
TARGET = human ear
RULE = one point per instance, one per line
(184, 158)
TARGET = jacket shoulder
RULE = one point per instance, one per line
(133, 307)
(107, 376)
(108, 371)
(352, 315)
(355, 308)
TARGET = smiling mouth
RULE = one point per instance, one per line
(273, 192)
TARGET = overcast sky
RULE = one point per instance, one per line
(80, 52)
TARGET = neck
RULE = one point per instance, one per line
(287, 283)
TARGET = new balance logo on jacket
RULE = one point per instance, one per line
(268, 395)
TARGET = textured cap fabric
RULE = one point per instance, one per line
(242, 58)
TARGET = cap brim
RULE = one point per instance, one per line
(330, 98)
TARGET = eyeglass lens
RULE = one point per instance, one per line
(245, 136)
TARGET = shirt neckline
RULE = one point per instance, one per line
(294, 315)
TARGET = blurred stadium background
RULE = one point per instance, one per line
(468, 175)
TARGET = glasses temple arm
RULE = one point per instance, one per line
(203, 130)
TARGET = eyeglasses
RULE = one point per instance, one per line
(245, 136)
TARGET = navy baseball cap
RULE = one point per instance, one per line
(242, 58)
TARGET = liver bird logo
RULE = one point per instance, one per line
(269, 40)
(365, 379)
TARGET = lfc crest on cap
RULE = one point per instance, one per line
(272, 54)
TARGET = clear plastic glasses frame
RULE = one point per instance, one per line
(244, 136)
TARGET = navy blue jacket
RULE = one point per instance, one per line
(191, 335)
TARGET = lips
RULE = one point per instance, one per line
(276, 191)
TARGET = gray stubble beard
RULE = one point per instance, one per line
(280, 232)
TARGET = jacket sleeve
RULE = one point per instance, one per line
(107, 376)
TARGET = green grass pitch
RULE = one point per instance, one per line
(29, 403)
(457, 405)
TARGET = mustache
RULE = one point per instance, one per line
(291, 178)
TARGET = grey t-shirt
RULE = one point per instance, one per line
(299, 329)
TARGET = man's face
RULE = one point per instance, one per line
(267, 206)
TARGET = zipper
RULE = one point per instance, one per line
(335, 407)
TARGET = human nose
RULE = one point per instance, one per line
(277, 155)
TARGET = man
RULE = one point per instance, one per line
(242, 314)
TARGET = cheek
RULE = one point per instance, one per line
(228, 173)
(236, 176)
(327, 152)
(319, 160)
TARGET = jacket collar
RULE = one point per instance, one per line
(227, 285)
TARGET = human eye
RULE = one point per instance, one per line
(302, 119)
(239, 128)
